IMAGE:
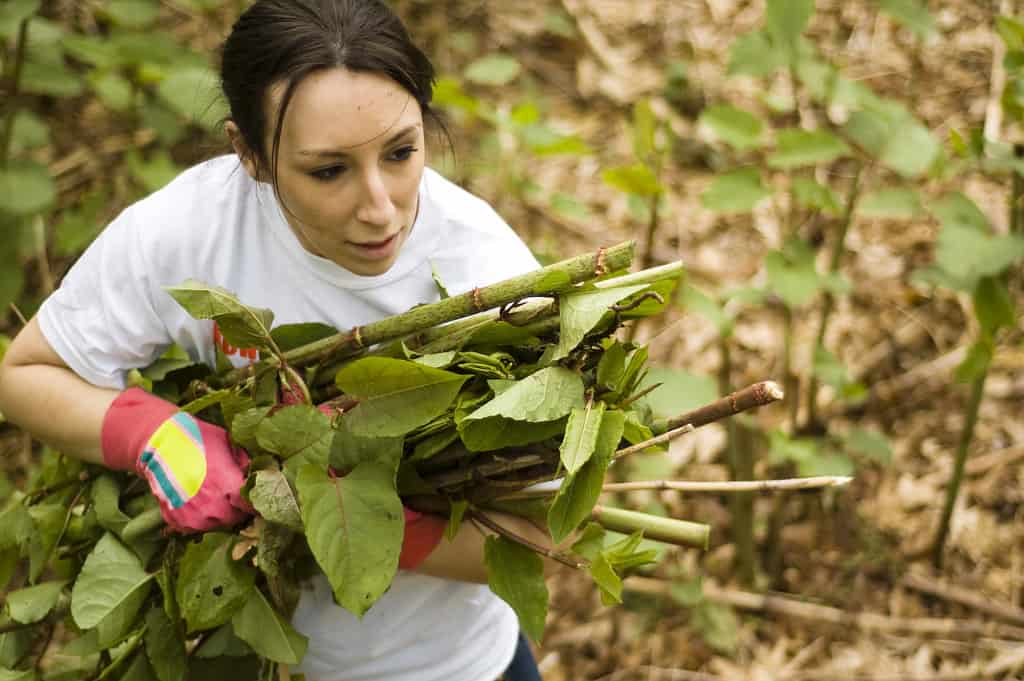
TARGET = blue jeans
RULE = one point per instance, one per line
(523, 667)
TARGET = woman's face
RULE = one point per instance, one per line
(350, 160)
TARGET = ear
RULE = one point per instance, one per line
(245, 154)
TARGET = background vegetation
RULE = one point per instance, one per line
(842, 182)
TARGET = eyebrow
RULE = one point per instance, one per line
(334, 153)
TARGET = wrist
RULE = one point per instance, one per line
(127, 425)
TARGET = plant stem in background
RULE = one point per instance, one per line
(741, 467)
(828, 300)
(1016, 194)
(12, 93)
(647, 257)
(973, 406)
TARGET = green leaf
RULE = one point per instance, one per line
(581, 435)
(91, 50)
(738, 191)
(1012, 32)
(680, 391)
(211, 586)
(29, 132)
(579, 313)
(458, 510)
(993, 305)
(637, 179)
(579, 492)
(272, 497)
(890, 203)
(115, 91)
(516, 575)
(869, 443)
(977, 361)
(739, 129)
(154, 172)
(48, 523)
(349, 450)
(895, 138)
(13, 12)
(786, 20)
(792, 273)
(110, 576)
(165, 648)
(131, 13)
(33, 603)
(45, 74)
(912, 14)
(294, 430)
(611, 366)
(609, 583)
(497, 432)
(832, 372)
(290, 336)
(223, 643)
(718, 625)
(241, 325)
(754, 54)
(569, 206)
(543, 396)
(354, 527)
(494, 69)
(192, 92)
(259, 625)
(27, 188)
(967, 256)
(78, 226)
(396, 396)
(18, 675)
(798, 147)
(957, 210)
(810, 194)
(441, 289)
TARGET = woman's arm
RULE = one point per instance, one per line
(39, 393)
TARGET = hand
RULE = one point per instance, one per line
(192, 468)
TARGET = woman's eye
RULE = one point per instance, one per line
(403, 153)
(328, 173)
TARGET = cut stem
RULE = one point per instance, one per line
(726, 487)
(756, 395)
(668, 530)
(549, 280)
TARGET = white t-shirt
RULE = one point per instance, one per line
(215, 224)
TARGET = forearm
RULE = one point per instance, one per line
(462, 558)
(50, 401)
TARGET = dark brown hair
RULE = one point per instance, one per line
(283, 41)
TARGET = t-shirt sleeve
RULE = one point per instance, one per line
(101, 320)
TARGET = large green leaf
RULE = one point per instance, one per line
(579, 313)
(211, 586)
(29, 132)
(738, 191)
(895, 138)
(494, 69)
(516, 575)
(498, 432)
(27, 188)
(165, 646)
(395, 395)
(754, 54)
(294, 430)
(967, 255)
(110, 575)
(349, 450)
(785, 21)
(354, 527)
(958, 210)
(192, 91)
(581, 432)
(543, 396)
(798, 147)
(105, 498)
(46, 74)
(259, 625)
(33, 603)
(272, 497)
(579, 492)
(738, 128)
(241, 325)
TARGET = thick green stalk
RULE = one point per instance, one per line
(550, 280)
(668, 530)
(741, 467)
(12, 96)
(828, 301)
(973, 406)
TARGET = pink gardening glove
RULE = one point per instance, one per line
(191, 466)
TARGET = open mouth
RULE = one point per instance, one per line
(377, 249)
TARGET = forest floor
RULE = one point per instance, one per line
(845, 589)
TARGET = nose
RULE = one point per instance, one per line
(375, 205)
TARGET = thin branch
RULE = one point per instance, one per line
(656, 440)
(481, 518)
(932, 585)
(756, 395)
(735, 486)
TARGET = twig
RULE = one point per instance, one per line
(787, 485)
(481, 518)
(756, 395)
(933, 585)
(656, 440)
(783, 605)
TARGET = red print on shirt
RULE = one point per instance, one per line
(229, 349)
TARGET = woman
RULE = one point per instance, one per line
(325, 213)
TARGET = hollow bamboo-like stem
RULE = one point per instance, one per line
(668, 530)
(756, 395)
(549, 280)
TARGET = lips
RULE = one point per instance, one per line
(376, 250)
(375, 244)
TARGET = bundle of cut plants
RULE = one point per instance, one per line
(516, 397)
